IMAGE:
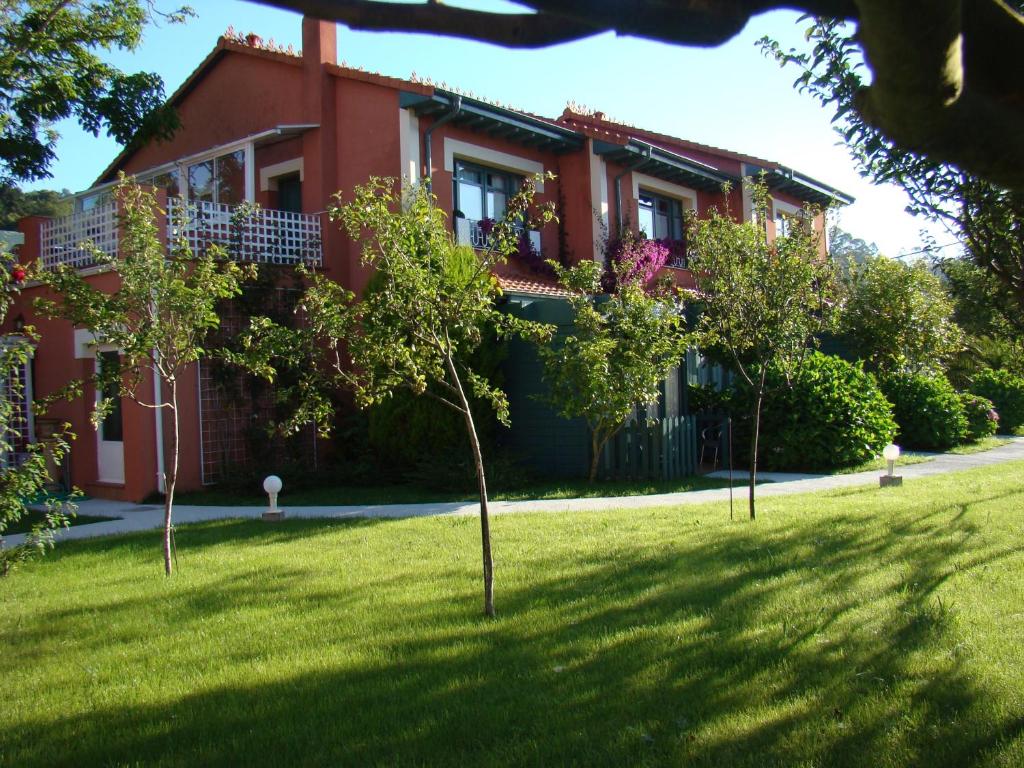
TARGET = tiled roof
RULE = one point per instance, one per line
(536, 286)
(608, 128)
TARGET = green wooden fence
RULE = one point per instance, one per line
(656, 449)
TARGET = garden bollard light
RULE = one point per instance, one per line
(273, 485)
(890, 453)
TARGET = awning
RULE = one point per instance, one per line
(640, 156)
(804, 187)
(501, 123)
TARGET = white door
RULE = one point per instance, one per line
(110, 435)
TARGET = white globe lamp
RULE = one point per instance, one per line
(272, 485)
(890, 453)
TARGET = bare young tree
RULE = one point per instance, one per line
(157, 319)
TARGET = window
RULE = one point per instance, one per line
(787, 217)
(170, 181)
(660, 218)
(112, 426)
(482, 193)
(219, 179)
(86, 203)
(782, 224)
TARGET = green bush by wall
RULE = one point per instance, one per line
(927, 409)
(979, 412)
(831, 415)
(1006, 391)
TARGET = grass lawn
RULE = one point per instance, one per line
(411, 494)
(906, 458)
(861, 628)
(24, 525)
(985, 444)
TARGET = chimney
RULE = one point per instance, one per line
(319, 42)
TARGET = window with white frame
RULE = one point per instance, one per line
(787, 217)
(16, 394)
(218, 179)
(481, 192)
(660, 217)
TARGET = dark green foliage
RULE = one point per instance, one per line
(421, 436)
(982, 418)
(987, 218)
(928, 411)
(830, 415)
(15, 204)
(1006, 391)
(53, 67)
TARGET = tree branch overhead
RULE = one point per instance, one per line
(953, 94)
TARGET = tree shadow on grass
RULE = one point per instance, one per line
(755, 646)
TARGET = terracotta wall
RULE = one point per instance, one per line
(242, 95)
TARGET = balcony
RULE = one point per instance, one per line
(475, 233)
(266, 236)
(62, 241)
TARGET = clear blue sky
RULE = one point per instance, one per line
(729, 96)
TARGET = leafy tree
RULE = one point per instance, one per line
(16, 204)
(158, 318)
(621, 348)
(415, 331)
(932, 83)
(847, 251)
(990, 317)
(25, 481)
(763, 302)
(51, 69)
(986, 217)
(899, 317)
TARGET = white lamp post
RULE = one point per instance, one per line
(273, 485)
(890, 453)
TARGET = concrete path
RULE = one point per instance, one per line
(133, 517)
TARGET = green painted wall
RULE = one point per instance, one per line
(539, 437)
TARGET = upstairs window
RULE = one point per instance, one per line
(783, 222)
(483, 193)
(788, 221)
(219, 179)
(660, 218)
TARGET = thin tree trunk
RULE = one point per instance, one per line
(478, 461)
(595, 460)
(753, 442)
(170, 478)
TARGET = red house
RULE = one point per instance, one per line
(287, 131)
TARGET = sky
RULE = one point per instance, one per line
(730, 96)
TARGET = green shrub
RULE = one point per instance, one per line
(982, 418)
(831, 415)
(928, 411)
(1006, 391)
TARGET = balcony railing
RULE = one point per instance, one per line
(265, 236)
(475, 233)
(62, 241)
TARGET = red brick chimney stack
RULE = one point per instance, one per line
(319, 42)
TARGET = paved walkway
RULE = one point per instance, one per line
(133, 517)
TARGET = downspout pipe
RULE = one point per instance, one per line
(427, 134)
(618, 188)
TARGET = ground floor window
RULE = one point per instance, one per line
(16, 415)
